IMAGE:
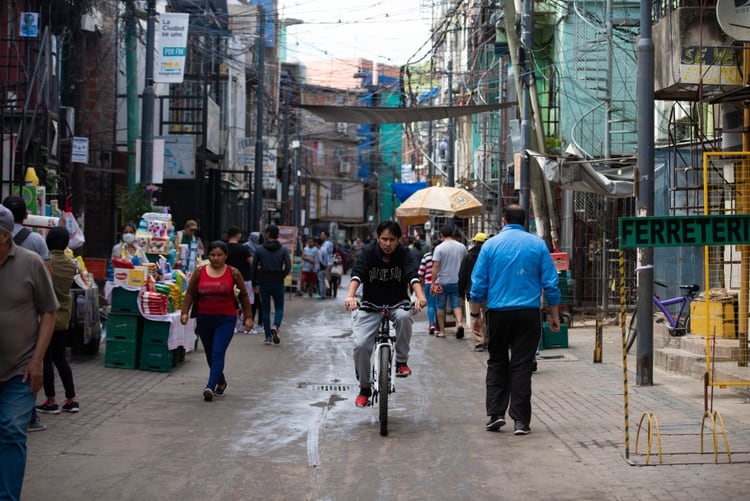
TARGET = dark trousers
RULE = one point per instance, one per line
(56, 355)
(258, 310)
(513, 337)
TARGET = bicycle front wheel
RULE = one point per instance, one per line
(632, 331)
(384, 387)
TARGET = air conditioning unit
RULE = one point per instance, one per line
(345, 168)
(341, 127)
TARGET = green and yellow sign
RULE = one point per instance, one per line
(684, 231)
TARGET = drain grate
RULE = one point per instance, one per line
(326, 388)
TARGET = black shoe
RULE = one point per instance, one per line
(220, 389)
(520, 428)
(479, 347)
(208, 394)
(460, 333)
(495, 423)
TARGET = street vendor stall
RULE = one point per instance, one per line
(143, 328)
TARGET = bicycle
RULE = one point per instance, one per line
(382, 366)
(679, 324)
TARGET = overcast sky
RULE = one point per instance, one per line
(386, 31)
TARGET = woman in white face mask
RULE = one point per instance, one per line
(127, 248)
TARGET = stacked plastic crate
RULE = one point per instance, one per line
(155, 353)
(123, 330)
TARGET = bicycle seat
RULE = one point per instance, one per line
(691, 289)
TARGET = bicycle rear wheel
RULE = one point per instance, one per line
(384, 387)
(632, 331)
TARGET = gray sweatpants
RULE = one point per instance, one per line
(365, 326)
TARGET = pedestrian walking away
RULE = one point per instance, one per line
(511, 271)
(28, 308)
(309, 267)
(325, 261)
(211, 298)
(425, 277)
(464, 286)
(64, 268)
(387, 272)
(272, 265)
(446, 261)
(253, 243)
(241, 257)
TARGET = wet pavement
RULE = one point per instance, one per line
(287, 427)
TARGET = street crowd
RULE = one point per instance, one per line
(499, 282)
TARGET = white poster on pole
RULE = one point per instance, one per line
(171, 47)
(80, 150)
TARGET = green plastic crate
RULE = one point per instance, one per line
(124, 327)
(121, 354)
(124, 301)
(156, 333)
(554, 339)
(156, 358)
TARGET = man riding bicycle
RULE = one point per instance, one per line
(386, 270)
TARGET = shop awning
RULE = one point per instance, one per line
(405, 190)
(382, 115)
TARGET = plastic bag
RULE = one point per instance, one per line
(68, 221)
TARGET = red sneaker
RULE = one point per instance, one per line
(361, 401)
(402, 370)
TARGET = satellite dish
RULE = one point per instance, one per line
(734, 18)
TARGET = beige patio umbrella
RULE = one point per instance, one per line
(441, 201)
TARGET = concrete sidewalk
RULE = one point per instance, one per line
(148, 435)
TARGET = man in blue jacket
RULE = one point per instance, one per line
(520, 267)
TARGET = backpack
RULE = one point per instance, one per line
(21, 236)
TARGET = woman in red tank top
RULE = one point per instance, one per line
(211, 294)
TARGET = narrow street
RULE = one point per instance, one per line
(288, 429)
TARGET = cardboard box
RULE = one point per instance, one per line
(131, 277)
(720, 321)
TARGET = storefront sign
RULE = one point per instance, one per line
(684, 231)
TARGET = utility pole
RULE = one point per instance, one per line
(645, 200)
(298, 176)
(260, 89)
(450, 168)
(287, 163)
(131, 70)
(525, 69)
(147, 128)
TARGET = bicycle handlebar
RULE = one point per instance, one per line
(368, 306)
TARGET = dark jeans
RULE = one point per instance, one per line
(513, 337)
(216, 333)
(56, 355)
(275, 292)
(258, 309)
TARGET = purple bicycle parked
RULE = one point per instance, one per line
(678, 324)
